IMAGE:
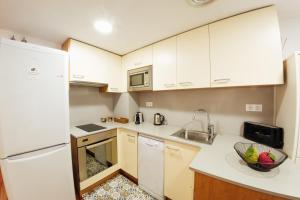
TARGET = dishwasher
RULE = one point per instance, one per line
(151, 166)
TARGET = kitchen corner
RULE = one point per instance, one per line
(219, 161)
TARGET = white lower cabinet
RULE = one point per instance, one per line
(178, 178)
(128, 149)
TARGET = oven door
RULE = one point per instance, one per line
(97, 157)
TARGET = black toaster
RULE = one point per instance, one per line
(264, 134)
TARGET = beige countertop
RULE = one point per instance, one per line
(220, 161)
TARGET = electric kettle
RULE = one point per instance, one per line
(138, 118)
(158, 119)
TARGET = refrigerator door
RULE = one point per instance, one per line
(34, 107)
(45, 174)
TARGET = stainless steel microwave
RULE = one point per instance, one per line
(140, 79)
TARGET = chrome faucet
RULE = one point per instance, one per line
(210, 127)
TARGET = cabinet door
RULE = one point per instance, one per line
(114, 70)
(246, 50)
(128, 151)
(87, 63)
(3, 195)
(193, 64)
(179, 179)
(139, 58)
(164, 65)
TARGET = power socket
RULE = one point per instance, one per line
(254, 107)
(149, 104)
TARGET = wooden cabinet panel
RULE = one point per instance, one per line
(164, 65)
(245, 50)
(139, 58)
(128, 152)
(193, 64)
(3, 195)
(207, 188)
(179, 179)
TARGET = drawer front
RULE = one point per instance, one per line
(90, 139)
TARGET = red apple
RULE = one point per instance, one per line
(266, 159)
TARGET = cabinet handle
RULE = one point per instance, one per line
(172, 148)
(186, 83)
(222, 80)
(78, 76)
(114, 89)
(170, 85)
(130, 136)
(151, 145)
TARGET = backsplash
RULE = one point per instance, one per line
(225, 105)
(87, 105)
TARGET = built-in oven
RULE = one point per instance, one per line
(96, 153)
(140, 79)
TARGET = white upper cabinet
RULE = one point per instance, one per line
(139, 58)
(89, 64)
(193, 65)
(114, 69)
(85, 63)
(246, 50)
(164, 65)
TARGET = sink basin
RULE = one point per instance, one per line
(195, 136)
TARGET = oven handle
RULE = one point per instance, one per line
(98, 144)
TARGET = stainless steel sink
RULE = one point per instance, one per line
(196, 136)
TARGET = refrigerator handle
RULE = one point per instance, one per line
(36, 154)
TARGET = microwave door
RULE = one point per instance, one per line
(137, 80)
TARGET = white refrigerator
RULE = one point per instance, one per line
(35, 154)
(288, 107)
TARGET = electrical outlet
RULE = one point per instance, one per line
(253, 107)
(149, 104)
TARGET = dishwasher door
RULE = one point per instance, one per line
(151, 166)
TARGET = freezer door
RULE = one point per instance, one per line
(45, 174)
(34, 107)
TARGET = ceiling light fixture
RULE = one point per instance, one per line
(198, 3)
(103, 26)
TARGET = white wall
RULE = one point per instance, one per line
(126, 105)
(88, 105)
(290, 34)
(226, 106)
(19, 36)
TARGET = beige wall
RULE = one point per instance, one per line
(226, 106)
(88, 105)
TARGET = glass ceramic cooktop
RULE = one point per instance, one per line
(90, 127)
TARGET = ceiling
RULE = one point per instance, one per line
(136, 23)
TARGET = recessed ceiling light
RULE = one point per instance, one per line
(103, 26)
(197, 3)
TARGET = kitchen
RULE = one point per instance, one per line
(150, 114)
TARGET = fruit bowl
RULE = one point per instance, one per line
(260, 157)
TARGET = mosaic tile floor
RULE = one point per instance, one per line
(118, 188)
(93, 166)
